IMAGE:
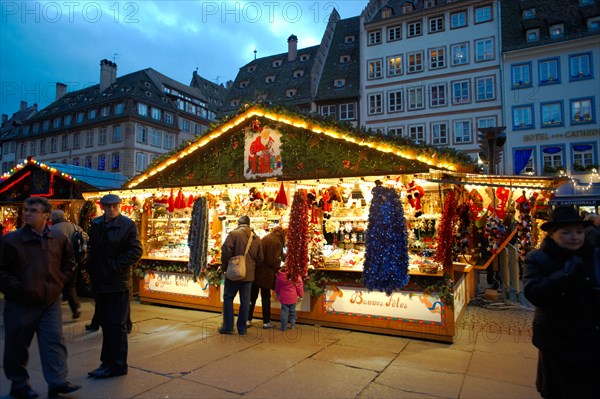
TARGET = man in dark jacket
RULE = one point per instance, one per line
(234, 245)
(35, 263)
(264, 276)
(114, 250)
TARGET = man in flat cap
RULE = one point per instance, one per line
(114, 250)
(235, 244)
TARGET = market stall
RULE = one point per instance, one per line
(331, 183)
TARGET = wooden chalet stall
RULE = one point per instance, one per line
(63, 185)
(255, 163)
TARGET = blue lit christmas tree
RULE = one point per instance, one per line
(386, 258)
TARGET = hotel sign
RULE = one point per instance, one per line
(563, 135)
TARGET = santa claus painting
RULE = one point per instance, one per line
(262, 149)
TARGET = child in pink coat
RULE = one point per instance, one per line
(289, 293)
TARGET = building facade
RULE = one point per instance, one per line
(552, 94)
(430, 70)
(120, 125)
(321, 79)
(9, 132)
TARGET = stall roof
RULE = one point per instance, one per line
(64, 182)
(102, 180)
(311, 148)
(548, 183)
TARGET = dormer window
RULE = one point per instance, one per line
(243, 84)
(593, 24)
(304, 57)
(270, 79)
(386, 12)
(339, 83)
(429, 3)
(277, 63)
(252, 68)
(262, 97)
(533, 35)
(407, 8)
(298, 73)
(235, 103)
(290, 93)
(344, 59)
(557, 31)
(349, 39)
(529, 13)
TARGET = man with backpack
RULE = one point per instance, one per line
(78, 239)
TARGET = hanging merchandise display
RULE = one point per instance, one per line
(297, 237)
(443, 252)
(386, 258)
(198, 237)
(373, 223)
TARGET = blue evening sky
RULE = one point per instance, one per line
(44, 42)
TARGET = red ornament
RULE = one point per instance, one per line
(256, 125)
(231, 173)
(300, 166)
(346, 163)
(235, 144)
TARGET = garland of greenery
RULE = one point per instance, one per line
(317, 281)
(222, 160)
(160, 266)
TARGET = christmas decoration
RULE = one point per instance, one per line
(495, 232)
(475, 202)
(414, 195)
(524, 225)
(386, 258)
(443, 252)
(281, 200)
(198, 237)
(256, 125)
(461, 237)
(499, 198)
(297, 237)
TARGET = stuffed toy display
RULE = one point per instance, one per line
(414, 195)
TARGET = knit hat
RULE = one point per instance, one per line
(563, 215)
(244, 220)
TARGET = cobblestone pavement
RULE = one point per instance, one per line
(177, 353)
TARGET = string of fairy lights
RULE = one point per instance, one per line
(31, 161)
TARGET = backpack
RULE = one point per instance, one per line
(79, 240)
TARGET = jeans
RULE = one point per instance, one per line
(288, 311)
(231, 290)
(21, 322)
(265, 297)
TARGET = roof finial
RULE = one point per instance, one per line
(255, 53)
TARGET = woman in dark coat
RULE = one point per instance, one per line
(559, 279)
(264, 277)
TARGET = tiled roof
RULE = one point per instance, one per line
(547, 12)
(335, 69)
(147, 85)
(10, 129)
(251, 81)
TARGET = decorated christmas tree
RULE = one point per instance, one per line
(386, 258)
(297, 237)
